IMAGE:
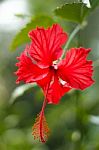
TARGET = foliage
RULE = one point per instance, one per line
(19, 91)
(75, 12)
(22, 36)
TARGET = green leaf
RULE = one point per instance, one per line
(94, 4)
(19, 91)
(22, 36)
(74, 12)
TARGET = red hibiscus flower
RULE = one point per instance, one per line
(40, 62)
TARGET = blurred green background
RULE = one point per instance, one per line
(74, 123)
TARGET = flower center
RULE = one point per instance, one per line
(54, 66)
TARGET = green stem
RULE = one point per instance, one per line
(72, 35)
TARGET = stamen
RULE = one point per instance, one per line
(55, 65)
(62, 81)
(40, 128)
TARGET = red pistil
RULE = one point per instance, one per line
(40, 128)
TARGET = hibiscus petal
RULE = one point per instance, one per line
(56, 89)
(75, 69)
(28, 71)
(46, 44)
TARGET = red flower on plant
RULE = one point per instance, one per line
(41, 62)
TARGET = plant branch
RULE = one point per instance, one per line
(72, 35)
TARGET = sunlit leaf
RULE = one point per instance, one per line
(19, 91)
(87, 2)
(22, 36)
(94, 119)
(74, 12)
